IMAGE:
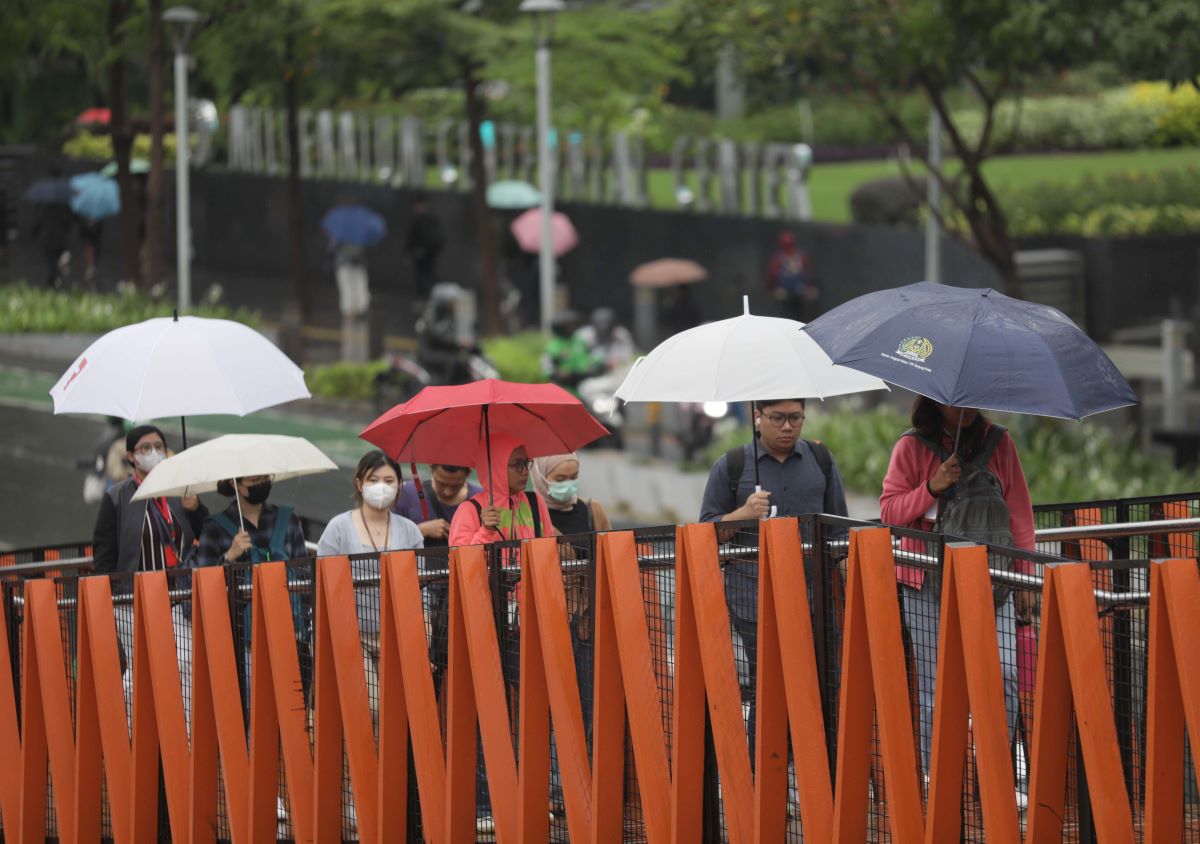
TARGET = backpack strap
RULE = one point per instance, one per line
(278, 545)
(531, 497)
(226, 524)
(935, 447)
(995, 432)
(735, 464)
(824, 458)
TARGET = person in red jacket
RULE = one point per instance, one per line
(916, 481)
(505, 509)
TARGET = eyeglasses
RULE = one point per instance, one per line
(777, 419)
(520, 466)
(148, 448)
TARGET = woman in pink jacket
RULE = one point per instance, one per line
(914, 489)
(505, 509)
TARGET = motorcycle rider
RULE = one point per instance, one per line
(567, 360)
(610, 344)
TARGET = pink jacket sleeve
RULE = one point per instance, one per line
(465, 528)
(905, 500)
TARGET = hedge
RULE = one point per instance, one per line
(37, 310)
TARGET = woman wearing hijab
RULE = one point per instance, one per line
(556, 478)
(504, 509)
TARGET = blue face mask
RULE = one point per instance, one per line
(563, 491)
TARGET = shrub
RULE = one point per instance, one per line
(518, 357)
(99, 147)
(29, 310)
(349, 381)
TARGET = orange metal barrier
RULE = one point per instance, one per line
(98, 746)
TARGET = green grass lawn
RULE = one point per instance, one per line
(830, 185)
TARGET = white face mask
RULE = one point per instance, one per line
(146, 462)
(379, 495)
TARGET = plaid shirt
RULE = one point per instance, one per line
(215, 540)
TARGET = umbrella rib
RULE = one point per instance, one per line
(566, 449)
(416, 427)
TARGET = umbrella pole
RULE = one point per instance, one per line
(183, 428)
(487, 440)
(754, 446)
(420, 490)
(237, 496)
(958, 432)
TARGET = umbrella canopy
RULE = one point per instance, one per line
(512, 195)
(354, 224)
(527, 229)
(667, 272)
(974, 348)
(94, 196)
(202, 467)
(745, 358)
(448, 424)
(137, 166)
(94, 117)
(184, 367)
(48, 192)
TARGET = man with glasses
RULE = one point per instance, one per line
(794, 477)
(132, 536)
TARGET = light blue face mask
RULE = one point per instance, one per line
(563, 491)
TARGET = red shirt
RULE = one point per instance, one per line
(905, 499)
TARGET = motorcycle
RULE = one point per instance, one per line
(596, 393)
(701, 423)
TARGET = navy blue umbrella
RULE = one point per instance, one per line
(355, 225)
(974, 347)
(48, 192)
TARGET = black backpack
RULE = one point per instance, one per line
(974, 508)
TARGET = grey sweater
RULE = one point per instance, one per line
(341, 537)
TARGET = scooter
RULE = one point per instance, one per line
(596, 393)
(701, 423)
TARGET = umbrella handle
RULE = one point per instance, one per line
(237, 496)
(487, 440)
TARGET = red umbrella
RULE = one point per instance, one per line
(94, 117)
(448, 424)
(527, 230)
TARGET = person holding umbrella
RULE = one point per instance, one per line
(273, 533)
(132, 536)
(505, 509)
(351, 228)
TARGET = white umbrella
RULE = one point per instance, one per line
(202, 467)
(184, 366)
(746, 358)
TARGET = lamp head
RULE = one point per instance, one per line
(181, 20)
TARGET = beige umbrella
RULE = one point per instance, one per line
(667, 272)
(202, 467)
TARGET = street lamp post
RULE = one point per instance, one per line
(181, 20)
(543, 12)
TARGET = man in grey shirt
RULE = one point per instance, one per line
(796, 477)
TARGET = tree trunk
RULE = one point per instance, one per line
(122, 142)
(154, 185)
(291, 98)
(489, 282)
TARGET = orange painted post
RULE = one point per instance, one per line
(327, 724)
(608, 718)
(54, 719)
(1072, 630)
(340, 642)
(276, 680)
(217, 712)
(403, 635)
(89, 768)
(618, 583)
(461, 717)
(1051, 725)
(10, 735)
(156, 632)
(533, 820)
(701, 574)
(144, 768)
(873, 669)
(392, 787)
(687, 709)
(491, 694)
(975, 684)
(770, 747)
(1164, 722)
(783, 572)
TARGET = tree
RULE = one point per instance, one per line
(122, 141)
(154, 183)
(1153, 38)
(992, 48)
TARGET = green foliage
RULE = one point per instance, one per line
(518, 357)
(1063, 461)
(1122, 204)
(30, 310)
(350, 381)
(99, 147)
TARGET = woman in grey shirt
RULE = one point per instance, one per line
(370, 528)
